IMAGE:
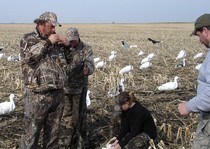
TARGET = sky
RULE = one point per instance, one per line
(104, 11)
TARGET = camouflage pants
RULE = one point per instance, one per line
(202, 138)
(141, 141)
(75, 112)
(42, 110)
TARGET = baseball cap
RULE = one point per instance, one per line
(202, 21)
(72, 34)
(122, 98)
(50, 17)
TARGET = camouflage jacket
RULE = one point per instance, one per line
(82, 55)
(43, 65)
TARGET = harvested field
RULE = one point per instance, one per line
(174, 130)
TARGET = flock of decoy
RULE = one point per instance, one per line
(144, 64)
(7, 107)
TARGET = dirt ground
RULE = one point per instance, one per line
(174, 130)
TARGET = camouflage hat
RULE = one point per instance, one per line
(49, 17)
(202, 21)
(72, 34)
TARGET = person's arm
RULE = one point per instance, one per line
(125, 127)
(136, 126)
(89, 65)
(201, 102)
(32, 51)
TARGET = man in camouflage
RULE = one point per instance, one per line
(80, 65)
(44, 73)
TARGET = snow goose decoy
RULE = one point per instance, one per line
(140, 53)
(7, 107)
(148, 58)
(151, 55)
(198, 66)
(145, 60)
(199, 55)
(100, 64)
(181, 54)
(169, 85)
(97, 59)
(2, 55)
(111, 57)
(126, 69)
(145, 65)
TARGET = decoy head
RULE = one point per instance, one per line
(12, 96)
(176, 78)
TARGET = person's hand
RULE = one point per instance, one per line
(54, 38)
(64, 41)
(182, 107)
(85, 71)
(115, 143)
(117, 146)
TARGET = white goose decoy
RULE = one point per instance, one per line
(198, 66)
(151, 55)
(140, 53)
(97, 59)
(7, 107)
(181, 54)
(133, 46)
(88, 101)
(2, 55)
(126, 69)
(169, 85)
(111, 57)
(199, 55)
(100, 64)
(145, 65)
(145, 60)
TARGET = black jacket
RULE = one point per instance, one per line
(135, 121)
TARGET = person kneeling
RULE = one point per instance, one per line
(137, 124)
